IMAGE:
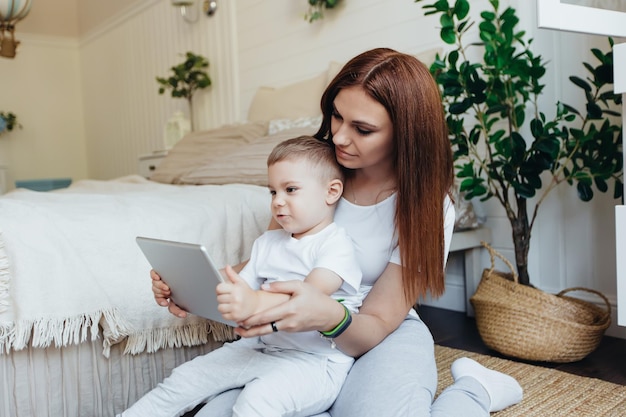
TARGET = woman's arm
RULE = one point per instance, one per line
(383, 310)
(308, 309)
(237, 301)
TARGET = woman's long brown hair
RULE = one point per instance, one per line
(423, 157)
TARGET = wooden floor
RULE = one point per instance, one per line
(456, 330)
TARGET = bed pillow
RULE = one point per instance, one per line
(278, 125)
(244, 164)
(198, 149)
(301, 99)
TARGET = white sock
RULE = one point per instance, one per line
(504, 391)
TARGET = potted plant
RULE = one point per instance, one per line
(187, 78)
(8, 122)
(316, 9)
(506, 148)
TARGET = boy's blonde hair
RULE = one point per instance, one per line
(319, 154)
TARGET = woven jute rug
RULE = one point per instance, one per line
(547, 392)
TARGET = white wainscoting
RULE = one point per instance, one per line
(125, 116)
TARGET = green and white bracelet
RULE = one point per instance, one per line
(340, 328)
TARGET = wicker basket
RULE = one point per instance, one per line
(527, 323)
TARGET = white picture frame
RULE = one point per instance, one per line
(555, 14)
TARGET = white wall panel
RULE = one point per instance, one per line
(124, 112)
(277, 46)
(41, 85)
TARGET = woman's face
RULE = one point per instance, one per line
(362, 130)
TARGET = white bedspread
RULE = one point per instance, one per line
(69, 262)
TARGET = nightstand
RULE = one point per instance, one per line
(149, 162)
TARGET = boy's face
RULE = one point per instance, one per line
(299, 198)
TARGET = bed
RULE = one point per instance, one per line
(80, 334)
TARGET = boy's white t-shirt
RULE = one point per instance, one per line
(276, 256)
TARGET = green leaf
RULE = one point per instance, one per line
(604, 74)
(448, 35)
(601, 185)
(585, 193)
(549, 146)
(618, 190)
(461, 9)
(490, 16)
(446, 21)
(581, 83)
(487, 27)
(536, 128)
(594, 111)
(524, 190)
(462, 107)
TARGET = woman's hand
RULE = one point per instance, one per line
(307, 309)
(162, 295)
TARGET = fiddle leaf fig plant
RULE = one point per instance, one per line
(504, 146)
(186, 79)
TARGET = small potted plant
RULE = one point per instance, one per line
(8, 122)
(504, 146)
(317, 7)
(187, 78)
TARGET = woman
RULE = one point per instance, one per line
(384, 115)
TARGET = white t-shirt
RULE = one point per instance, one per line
(276, 256)
(372, 230)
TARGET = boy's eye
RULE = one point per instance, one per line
(272, 192)
(291, 189)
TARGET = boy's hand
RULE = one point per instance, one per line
(237, 301)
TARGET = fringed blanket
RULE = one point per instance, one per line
(69, 263)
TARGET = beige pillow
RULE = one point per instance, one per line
(197, 149)
(246, 164)
(301, 99)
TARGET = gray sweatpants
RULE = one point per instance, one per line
(277, 382)
(395, 379)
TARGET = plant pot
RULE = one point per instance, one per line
(526, 323)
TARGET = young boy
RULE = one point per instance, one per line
(295, 374)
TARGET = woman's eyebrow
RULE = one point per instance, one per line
(363, 123)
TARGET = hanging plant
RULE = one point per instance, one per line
(8, 122)
(316, 9)
(188, 77)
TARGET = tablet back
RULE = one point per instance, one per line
(190, 273)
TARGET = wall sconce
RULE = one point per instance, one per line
(189, 10)
(11, 12)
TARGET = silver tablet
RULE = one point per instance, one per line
(190, 273)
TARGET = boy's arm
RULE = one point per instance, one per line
(237, 301)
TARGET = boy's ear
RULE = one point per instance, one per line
(335, 190)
